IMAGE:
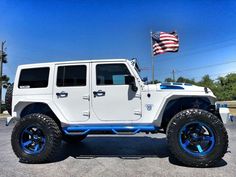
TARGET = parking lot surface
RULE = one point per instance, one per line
(108, 156)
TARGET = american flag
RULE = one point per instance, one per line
(165, 42)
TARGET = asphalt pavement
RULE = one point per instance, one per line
(118, 156)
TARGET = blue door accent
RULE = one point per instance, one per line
(115, 128)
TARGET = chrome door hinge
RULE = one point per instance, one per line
(137, 95)
(86, 97)
(137, 112)
(86, 113)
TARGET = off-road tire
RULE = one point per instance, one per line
(73, 139)
(190, 115)
(52, 134)
(8, 98)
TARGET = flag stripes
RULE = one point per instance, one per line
(165, 42)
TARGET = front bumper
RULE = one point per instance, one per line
(225, 115)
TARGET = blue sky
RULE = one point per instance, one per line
(42, 31)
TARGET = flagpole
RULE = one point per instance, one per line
(152, 58)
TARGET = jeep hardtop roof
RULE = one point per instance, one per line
(73, 61)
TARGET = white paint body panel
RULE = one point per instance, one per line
(119, 103)
(117, 106)
(75, 107)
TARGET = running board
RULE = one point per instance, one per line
(116, 129)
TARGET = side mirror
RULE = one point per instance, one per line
(130, 80)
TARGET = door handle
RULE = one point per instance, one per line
(99, 93)
(62, 94)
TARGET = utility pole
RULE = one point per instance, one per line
(173, 74)
(2, 59)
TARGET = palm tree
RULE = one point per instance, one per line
(5, 81)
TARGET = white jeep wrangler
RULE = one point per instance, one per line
(69, 100)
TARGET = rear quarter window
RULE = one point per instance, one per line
(33, 78)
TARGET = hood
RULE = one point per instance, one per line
(170, 86)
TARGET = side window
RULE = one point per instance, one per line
(111, 74)
(34, 78)
(69, 76)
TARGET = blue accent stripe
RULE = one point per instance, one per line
(133, 129)
(171, 87)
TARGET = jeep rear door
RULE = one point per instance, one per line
(71, 91)
(111, 98)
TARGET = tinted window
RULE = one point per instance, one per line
(34, 78)
(111, 74)
(71, 76)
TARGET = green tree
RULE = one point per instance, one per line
(169, 80)
(226, 87)
(5, 81)
(206, 81)
(155, 82)
(186, 80)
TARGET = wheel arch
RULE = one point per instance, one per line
(26, 108)
(175, 105)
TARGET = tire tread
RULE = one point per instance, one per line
(188, 113)
(54, 144)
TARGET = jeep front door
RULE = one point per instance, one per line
(111, 98)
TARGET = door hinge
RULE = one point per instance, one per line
(86, 97)
(86, 113)
(137, 112)
(137, 95)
